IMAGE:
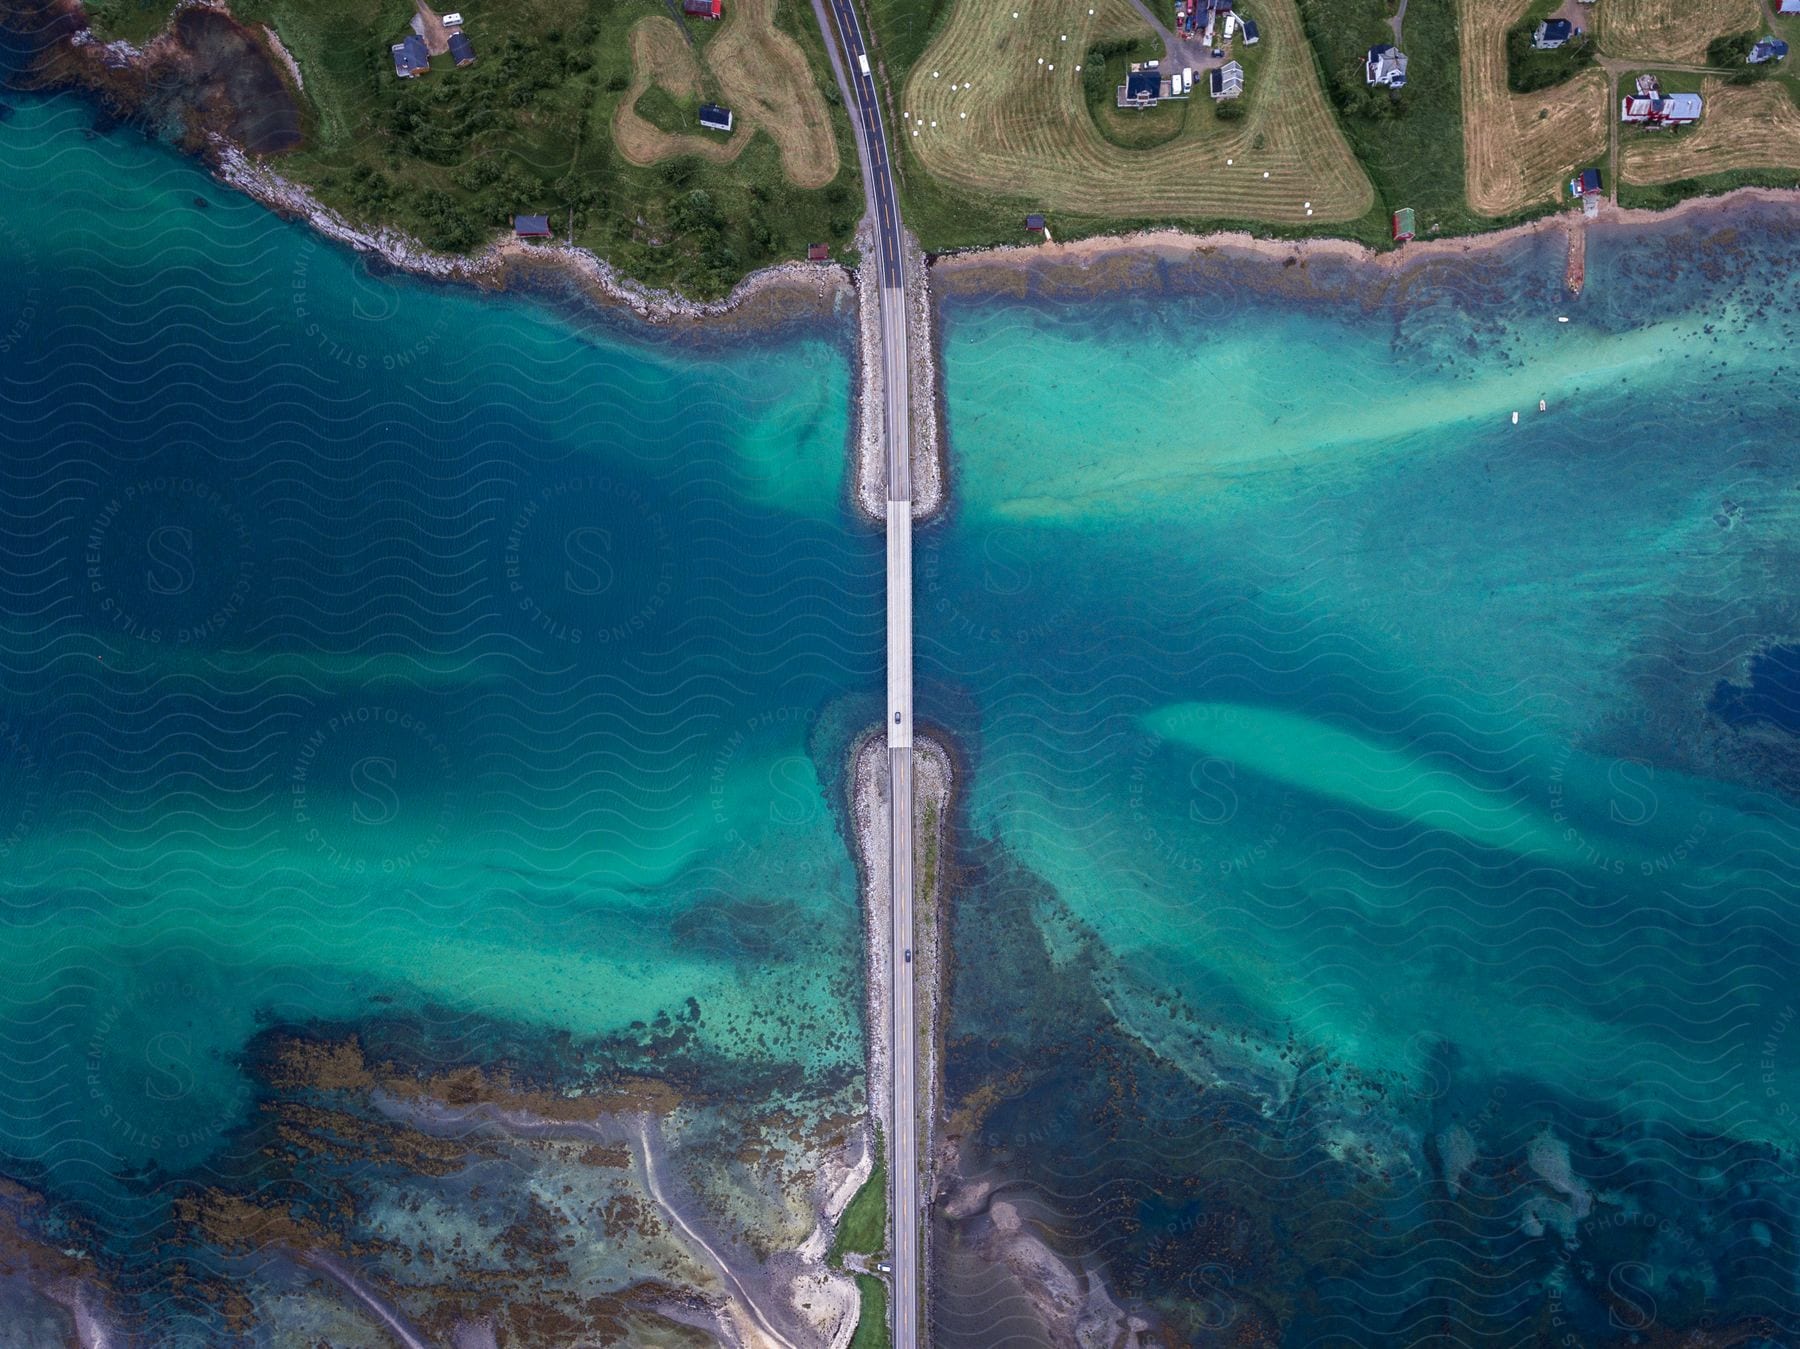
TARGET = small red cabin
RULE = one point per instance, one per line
(819, 253)
(1403, 224)
(703, 9)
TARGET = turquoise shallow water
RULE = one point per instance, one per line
(1390, 830)
(375, 652)
(1374, 903)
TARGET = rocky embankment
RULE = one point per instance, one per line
(924, 405)
(933, 784)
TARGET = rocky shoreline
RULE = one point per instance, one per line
(494, 265)
(973, 266)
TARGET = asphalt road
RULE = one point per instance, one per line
(884, 209)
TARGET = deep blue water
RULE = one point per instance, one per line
(1772, 695)
(388, 661)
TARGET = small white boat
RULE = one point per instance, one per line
(1562, 318)
(1515, 419)
(1543, 406)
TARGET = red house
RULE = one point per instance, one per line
(819, 253)
(703, 9)
(1661, 110)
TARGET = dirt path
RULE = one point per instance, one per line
(1177, 50)
(1615, 66)
(1395, 22)
(674, 1214)
(431, 28)
(1612, 150)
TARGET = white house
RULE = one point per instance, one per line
(1387, 65)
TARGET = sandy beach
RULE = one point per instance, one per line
(1175, 242)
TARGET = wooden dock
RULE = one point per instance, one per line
(1575, 272)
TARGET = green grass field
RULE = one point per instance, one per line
(1528, 69)
(131, 20)
(903, 29)
(657, 106)
(1661, 196)
(871, 1324)
(863, 1228)
(1412, 146)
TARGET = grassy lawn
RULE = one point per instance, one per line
(1661, 196)
(1104, 68)
(1528, 69)
(1672, 82)
(871, 1324)
(1412, 146)
(657, 106)
(902, 31)
(863, 1228)
(132, 20)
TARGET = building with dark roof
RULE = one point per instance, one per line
(703, 9)
(1767, 49)
(1552, 33)
(462, 51)
(715, 118)
(410, 57)
(1142, 89)
(1035, 223)
(531, 226)
(1251, 36)
(818, 253)
(1585, 184)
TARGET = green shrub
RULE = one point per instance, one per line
(1731, 51)
(1529, 70)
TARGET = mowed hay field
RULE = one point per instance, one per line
(1665, 30)
(661, 56)
(1007, 124)
(759, 72)
(764, 78)
(1521, 148)
(1752, 126)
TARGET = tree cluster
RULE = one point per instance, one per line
(1529, 70)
